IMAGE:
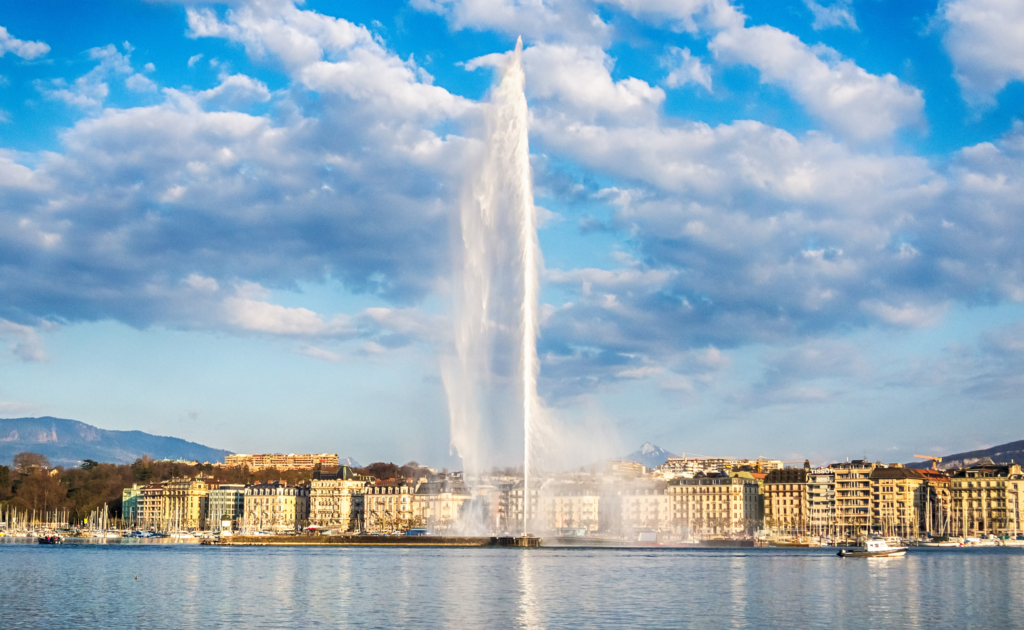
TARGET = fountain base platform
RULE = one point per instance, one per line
(525, 540)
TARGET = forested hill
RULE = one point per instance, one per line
(68, 442)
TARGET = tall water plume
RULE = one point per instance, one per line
(491, 382)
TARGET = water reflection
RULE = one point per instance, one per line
(189, 586)
(529, 614)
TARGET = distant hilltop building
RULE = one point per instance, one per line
(291, 461)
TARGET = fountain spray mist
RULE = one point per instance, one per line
(495, 292)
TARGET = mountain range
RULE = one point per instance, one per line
(68, 442)
(1002, 454)
(650, 455)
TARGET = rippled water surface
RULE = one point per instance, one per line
(188, 586)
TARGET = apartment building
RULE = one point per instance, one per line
(821, 501)
(185, 503)
(336, 499)
(151, 505)
(226, 505)
(569, 507)
(898, 500)
(131, 503)
(438, 504)
(986, 499)
(275, 507)
(853, 498)
(387, 506)
(785, 500)
(716, 504)
(689, 467)
(290, 461)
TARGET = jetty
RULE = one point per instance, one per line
(374, 541)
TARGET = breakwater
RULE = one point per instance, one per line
(358, 541)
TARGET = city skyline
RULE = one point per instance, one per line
(782, 230)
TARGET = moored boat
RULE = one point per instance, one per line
(873, 548)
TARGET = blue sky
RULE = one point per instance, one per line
(784, 229)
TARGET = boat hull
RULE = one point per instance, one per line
(895, 552)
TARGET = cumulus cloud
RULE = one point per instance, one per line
(853, 102)
(536, 20)
(850, 101)
(837, 14)
(236, 91)
(91, 89)
(685, 68)
(21, 48)
(151, 215)
(748, 234)
(983, 38)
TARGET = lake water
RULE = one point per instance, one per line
(188, 586)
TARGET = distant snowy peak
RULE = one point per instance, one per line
(351, 463)
(650, 455)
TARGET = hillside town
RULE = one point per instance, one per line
(686, 499)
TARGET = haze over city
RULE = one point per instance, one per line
(788, 229)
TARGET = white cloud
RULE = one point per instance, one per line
(907, 314)
(853, 102)
(140, 83)
(272, 318)
(236, 91)
(840, 14)
(21, 48)
(578, 78)
(684, 68)
(536, 20)
(194, 59)
(984, 39)
(91, 89)
(200, 283)
(319, 353)
(27, 346)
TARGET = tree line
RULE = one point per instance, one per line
(32, 484)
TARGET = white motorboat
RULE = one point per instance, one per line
(873, 548)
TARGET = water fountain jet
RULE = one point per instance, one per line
(496, 288)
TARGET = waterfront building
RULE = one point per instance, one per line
(226, 505)
(291, 461)
(438, 504)
(569, 507)
(898, 500)
(387, 505)
(627, 508)
(275, 507)
(514, 503)
(336, 498)
(937, 519)
(131, 503)
(715, 504)
(853, 498)
(821, 501)
(986, 499)
(785, 500)
(151, 502)
(184, 503)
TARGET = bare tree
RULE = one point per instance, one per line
(26, 461)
